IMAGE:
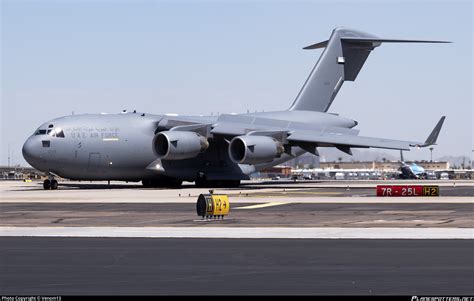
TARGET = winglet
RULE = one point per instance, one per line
(434, 134)
(431, 140)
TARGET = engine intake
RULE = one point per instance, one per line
(254, 149)
(179, 145)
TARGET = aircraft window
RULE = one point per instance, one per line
(40, 132)
(60, 134)
(56, 133)
(50, 126)
(46, 143)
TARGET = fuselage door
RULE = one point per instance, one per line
(94, 162)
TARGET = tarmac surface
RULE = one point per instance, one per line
(131, 266)
(241, 215)
(260, 204)
(280, 238)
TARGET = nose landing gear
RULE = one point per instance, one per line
(50, 183)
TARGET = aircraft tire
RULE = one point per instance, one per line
(146, 183)
(203, 183)
(54, 185)
(162, 183)
(173, 183)
(47, 184)
(231, 183)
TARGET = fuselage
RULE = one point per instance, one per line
(119, 146)
(94, 147)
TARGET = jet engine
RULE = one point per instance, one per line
(179, 145)
(254, 149)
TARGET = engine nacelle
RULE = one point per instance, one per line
(254, 149)
(179, 145)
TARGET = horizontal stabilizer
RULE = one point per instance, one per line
(376, 40)
(322, 44)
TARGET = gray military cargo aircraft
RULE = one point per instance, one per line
(213, 151)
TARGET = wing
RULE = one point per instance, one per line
(307, 138)
(344, 142)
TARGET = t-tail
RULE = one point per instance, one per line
(344, 55)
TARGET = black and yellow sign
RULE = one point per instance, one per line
(210, 205)
(430, 190)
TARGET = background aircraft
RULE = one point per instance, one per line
(164, 150)
(411, 171)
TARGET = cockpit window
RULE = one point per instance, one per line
(40, 132)
(60, 134)
(57, 132)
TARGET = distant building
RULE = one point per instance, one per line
(382, 166)
(347, 165)
(434, 165)
(18, 172)
(280, 171)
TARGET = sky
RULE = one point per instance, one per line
(196, 57)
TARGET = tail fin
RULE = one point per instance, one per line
(344, 55)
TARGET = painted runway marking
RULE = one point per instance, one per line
(400, 222)
(263, 205)
(417, 212)
(286, 194)
(242, 232)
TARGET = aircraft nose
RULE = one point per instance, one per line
(30, 151)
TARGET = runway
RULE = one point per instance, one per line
(291, 214)
(119, 266)
(280, 238)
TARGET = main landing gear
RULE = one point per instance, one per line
(162, 183)
(50, 183)
(204, 183)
